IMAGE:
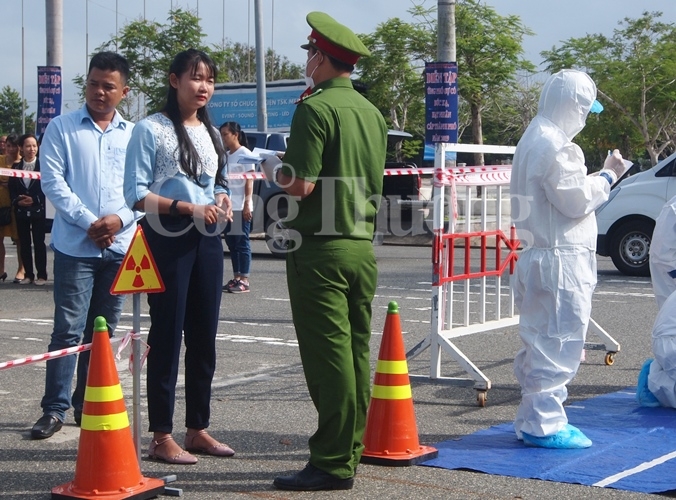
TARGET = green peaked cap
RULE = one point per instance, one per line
(333, 38)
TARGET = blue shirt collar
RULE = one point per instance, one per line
(117, 121)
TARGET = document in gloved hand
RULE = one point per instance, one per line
(627, 165)
(270, 164)
(258, 155)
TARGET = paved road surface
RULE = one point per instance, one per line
(261, 406)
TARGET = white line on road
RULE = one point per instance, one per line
(635, 470)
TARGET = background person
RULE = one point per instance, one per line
(9, 155)
(29, 208)
(335, 164)
(556, 272)
(82, 160)
(175, 173)
(663, 253)
(657, 378)
(237, 231)
(5, 204)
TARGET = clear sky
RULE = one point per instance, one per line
(88, 23)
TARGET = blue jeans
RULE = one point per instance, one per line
(237, 239)
(81, 293)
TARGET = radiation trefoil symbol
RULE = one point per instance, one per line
(131, 266)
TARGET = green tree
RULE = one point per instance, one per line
(11, 110)
(392, 75)
(489, 54)
(634, 72)
(237, 63)
(150, 46)
(511, 110)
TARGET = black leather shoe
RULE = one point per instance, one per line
(45, 427)
(312, 479)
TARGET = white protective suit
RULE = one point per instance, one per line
(663, 253)
(553, 203)
(662, 376)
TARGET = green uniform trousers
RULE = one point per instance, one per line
(331, 285)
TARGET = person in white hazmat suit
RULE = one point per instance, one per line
(657, 379)
(663, 253)
(553, 202)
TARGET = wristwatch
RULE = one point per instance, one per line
(173, 209)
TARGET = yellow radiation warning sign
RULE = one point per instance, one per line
(138, 272)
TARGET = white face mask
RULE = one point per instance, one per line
(308, 79)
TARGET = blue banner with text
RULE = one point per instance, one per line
(441, 102)
(49, 96)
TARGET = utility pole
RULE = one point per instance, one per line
(446, 31)
(54, 29)
(86, 36)
(446, 52)
(261, 97)
(23, 75)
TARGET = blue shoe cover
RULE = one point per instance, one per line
(568, 438)
(643, 395)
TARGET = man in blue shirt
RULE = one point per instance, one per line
(82, 158)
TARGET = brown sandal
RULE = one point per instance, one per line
(217, 450)
(182, 458)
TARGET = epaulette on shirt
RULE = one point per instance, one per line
(305, 96)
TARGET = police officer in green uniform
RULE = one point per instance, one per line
(334, 162)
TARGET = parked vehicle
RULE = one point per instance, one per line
(271, 203)
(400, 192)
(627, 220)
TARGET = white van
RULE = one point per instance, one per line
(626, 221)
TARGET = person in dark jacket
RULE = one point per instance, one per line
(28, 201)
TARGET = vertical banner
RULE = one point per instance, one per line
(441, 102)
(49, 96)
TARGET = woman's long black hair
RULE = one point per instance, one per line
(189, 60)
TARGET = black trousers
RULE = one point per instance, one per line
(35, 228)
(191, 267)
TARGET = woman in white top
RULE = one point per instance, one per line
(174, 172)
(237, 231)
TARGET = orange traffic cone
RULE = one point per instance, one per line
(391, 434)
(107, 466)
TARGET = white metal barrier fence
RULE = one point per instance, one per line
(474, 247)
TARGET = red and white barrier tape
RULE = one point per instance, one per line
(474, 176)
(461, 175)
(76, 349)
(10, 172)
(498, 175)
(245, 175)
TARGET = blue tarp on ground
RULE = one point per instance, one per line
(634, 448)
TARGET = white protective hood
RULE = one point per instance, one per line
(553, 199)
(566, 99)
